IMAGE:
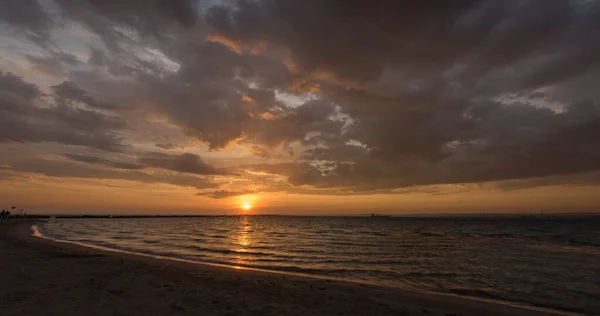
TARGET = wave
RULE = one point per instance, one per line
(123, 237)
(476, 293)
(358, 261)
(372, 233)
(227, 251)
(427, 234)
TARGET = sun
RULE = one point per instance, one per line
(245, 203)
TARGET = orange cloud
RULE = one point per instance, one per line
(248, 99)
(237, 47)
(226, 42)
(268, 116)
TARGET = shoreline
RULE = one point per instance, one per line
(406, 289)
(279, 292)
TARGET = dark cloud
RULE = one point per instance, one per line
(501, 142)
(187, 163)
(150, 18)
(223, 194)
(352, 38)
(69, 169)
(54, 63)
(578, 179)
(20, 90)
(27, 17)
(420, 81)
(168, 146)
(312, 117)
(104, 161)
(68, 92)
(208, 95)
(298, 174)
(26, 117)
(371, 97)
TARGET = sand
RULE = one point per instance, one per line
(42, 277)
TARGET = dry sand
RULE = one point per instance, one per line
(43, 277)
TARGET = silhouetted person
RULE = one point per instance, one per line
(2, 215)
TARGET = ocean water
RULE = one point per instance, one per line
(552, 263)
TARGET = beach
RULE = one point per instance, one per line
(43, 277)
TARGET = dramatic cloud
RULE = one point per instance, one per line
(426, 84)
(28, 18)
(104, 161)
(337, 96)
(68, 169)
(68, 92)
(185, 163)
(25, 116)
(188, 163)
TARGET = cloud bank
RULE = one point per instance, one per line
(341, 97)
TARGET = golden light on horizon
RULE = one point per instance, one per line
(246, 202)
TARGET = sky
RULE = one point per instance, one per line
(299, 107)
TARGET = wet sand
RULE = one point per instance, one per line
(42, 277)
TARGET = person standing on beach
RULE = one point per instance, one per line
(2, 214)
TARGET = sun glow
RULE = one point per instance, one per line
(245, 203)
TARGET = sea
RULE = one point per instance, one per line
(549, 262)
